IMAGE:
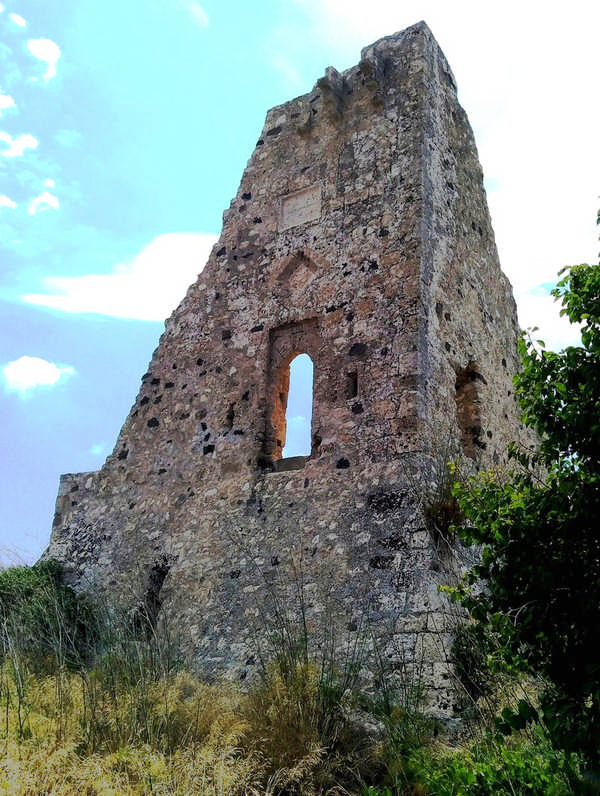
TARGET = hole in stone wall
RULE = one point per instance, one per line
(297, 406)
(146, 615)
(468, 413)
(351, 387)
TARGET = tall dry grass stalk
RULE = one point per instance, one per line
(182, 737)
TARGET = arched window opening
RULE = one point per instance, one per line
(295, 435)
(289, 406)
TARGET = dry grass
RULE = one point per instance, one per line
(182, 737)
(212, 768)
(310, 742)
(85, 733)
(97, 702)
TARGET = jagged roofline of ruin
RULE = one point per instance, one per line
(368, 56)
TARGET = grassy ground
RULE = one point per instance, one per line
(94, 733)
(92, 703)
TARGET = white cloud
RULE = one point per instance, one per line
(18, 20)
(48, 51)
(543, 312)
(196, 12)
(6, 102)
(5, 201)
(16, 146)
(45, 201)
(147, 288)
(27, 373)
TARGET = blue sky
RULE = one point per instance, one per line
(124, 130)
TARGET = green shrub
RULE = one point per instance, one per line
(518, 766)
(44, 619)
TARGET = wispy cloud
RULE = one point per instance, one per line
(146, 288)
(67, 138)
(17, 146)
(6, 201)
(97, 449)
(291, 76)
(18, 20)
(6, 103)
(26, 374)
(196, 12)
(45, 201)
(47, 51)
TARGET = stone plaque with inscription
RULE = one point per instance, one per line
(300, 207)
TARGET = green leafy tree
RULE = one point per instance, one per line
(540, 534)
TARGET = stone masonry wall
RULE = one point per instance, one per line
(359, 235)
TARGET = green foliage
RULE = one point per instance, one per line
(560, 392)
(524, 764)
(43, 617)
(539, 534)
(489, 768)
(407, 732)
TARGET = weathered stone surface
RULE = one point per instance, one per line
(360, 235)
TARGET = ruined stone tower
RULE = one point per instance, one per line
(360, 236)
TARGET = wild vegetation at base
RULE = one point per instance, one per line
(95, 703)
